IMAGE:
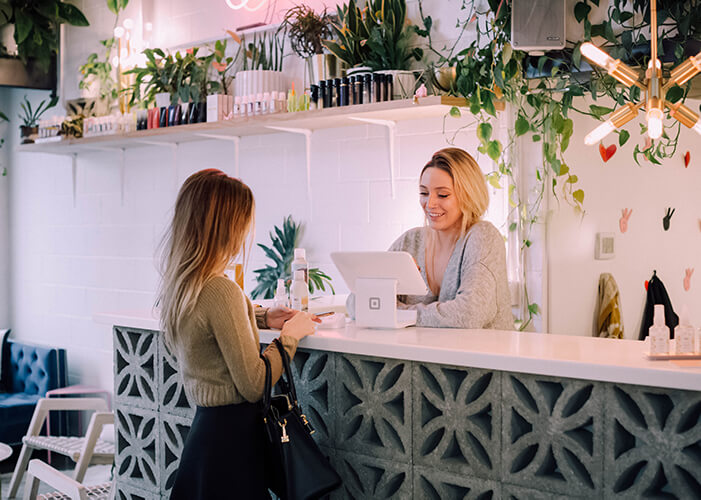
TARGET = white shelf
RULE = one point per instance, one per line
(409, 109)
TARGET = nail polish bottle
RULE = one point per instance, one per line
(313, 97)
(377, 87)
(322, 94)
(367, 89)
(337, 92)
(331, 95)
(345, 91)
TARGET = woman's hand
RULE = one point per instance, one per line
(278, 315)
(300, 325)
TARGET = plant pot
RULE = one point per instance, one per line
(403, 83)
(320, 67)
(358, 70)
(162, 100)
(259, 81)
(444, 78)
(28, 134)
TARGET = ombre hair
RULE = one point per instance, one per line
(213, 215)
(469, 183)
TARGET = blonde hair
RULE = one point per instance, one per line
(213, 214)
(469, 184)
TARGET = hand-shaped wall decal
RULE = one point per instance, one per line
(687, 279)
(667, 218)
(623, 222)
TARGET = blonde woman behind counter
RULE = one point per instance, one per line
(462, 259)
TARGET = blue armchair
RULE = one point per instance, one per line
(32, 370)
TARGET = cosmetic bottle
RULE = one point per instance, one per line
(300, 263)
(684, 334)
(271, 102)
(282, 102)
(659, 333)
(281, 299)
(389, 80)
(367, 89)
(313, 97)
(299, 292)
(337, 92)
(345, 91)
(385, 87)
(265, 103)
(258, 104)
(330, 94)
(237, 107)
(322, 94)
(358, 86)
(377, 87)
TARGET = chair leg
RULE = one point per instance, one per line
(31, 488)
(21, 466)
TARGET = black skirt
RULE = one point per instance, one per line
(223, 455)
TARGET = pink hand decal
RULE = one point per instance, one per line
(687, 278)
(623, 222)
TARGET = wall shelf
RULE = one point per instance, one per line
(426, 107)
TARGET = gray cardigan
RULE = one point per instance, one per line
(474, 292)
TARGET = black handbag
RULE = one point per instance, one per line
(295, 467)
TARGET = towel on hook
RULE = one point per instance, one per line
(610, 321)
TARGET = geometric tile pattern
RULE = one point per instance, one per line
(373, 406)
(552, 434)
(135, 360)
(457, 419)
(655, 442)
(400, 429)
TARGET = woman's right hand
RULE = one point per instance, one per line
(299, 326)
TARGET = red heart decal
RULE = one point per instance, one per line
(607, 153)
(646, 283)
(687, 159)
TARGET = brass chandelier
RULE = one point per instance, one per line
(653, 84)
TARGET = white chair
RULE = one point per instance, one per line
(82, 450)
(68, 489)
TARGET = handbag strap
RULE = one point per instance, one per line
(288, 371)
(267, 386)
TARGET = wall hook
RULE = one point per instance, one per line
(623, 222)
(667, 218)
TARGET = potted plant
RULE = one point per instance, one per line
(352, 34)
(193, 84)
(262, 64)
(156, 80)
(30, 118)
(307, 32)
(223, 64)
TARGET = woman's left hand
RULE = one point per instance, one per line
(278, 315)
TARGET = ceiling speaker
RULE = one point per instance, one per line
(538, 25)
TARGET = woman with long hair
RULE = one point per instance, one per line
(461, 257)
(211, 328)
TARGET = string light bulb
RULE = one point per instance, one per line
(620, 117)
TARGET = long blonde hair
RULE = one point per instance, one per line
(213, 214)
(469, 183)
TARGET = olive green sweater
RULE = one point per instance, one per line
(217, 347)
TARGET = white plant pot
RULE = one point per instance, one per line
(259, 81)
(404, 83)
(162, 100)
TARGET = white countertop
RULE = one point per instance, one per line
(589, 358)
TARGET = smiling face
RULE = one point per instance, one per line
(438, 200)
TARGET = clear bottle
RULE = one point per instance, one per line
(265, 104)
(281, 299)
(299, 292)
(237, 107)
(244, 106)
(659, 333)
(300, 263)
(684, 334)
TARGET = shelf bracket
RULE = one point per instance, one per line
(237, 147)
(74, 177)
(391, 138)
(308, 141)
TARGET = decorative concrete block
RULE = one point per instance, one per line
(171, 391)
(653, 442)
(135, 367)
(457, 420)
(373, 406)
(552, 434)
(173, 433)
(372, 477)
(511, 492)
(138, 454)
(125, 491)
(314, 375)
(432, 484)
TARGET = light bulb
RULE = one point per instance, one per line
(128, 23)
(596, 55)
(119, 32)
(599, 133)
(654, 123)
(697, 127)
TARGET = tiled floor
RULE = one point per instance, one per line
(96, 474)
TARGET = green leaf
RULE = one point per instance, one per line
(521, 126)
(113, 5)
(512, 227)
(494, 150)
(536, 137)
(674, 94)
(484, 132)
(533, 308)
(72, 15)
(564, 169)
(599, 111)
(572, 179)
(623, 137)
(581, 11)
(455, 112)
(23, 26)
(579, 196)
(506, 54)
(493, 179)
(528, 243)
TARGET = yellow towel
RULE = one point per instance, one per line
(610, 321)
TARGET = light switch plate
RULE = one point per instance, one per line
(605, 246)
